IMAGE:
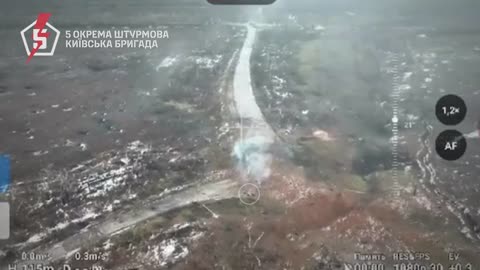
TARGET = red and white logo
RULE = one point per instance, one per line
(40, 37)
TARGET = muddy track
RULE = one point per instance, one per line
(214, 191)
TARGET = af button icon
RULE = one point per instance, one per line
(451, 145)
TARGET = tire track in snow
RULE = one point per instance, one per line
(256, 135)
(213, 191)
(245, 102)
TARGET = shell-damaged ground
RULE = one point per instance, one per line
(135, 159)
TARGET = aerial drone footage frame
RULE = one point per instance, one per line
(307, 134)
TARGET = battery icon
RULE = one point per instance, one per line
(5, 177)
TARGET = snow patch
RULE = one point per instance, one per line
(167, 252)
(319, 28)
(208, 62)
(167, 62)
(36, 238)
